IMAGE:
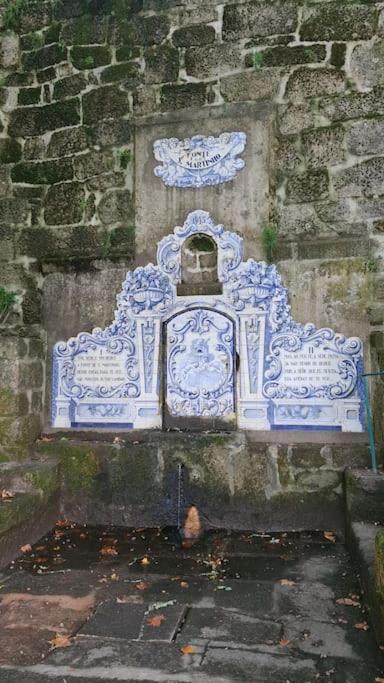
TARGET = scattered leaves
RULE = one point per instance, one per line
(363, 626)
(156, 620)
(26, 548)
(59, 641)
(187, 650)
(347, 601)
(329, 536)
(145, 561)
(283, 642)
(287, 582)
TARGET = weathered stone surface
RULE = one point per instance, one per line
(130, 73)
(183, 96)
(161, 64)
(66, 9)
(308, 187)
(336, 22)
(307, 82)
(35, 16)
(145, 100)
(85, 30)
(64, 204)
(117, 132)
(34, 148)
(288, 156)
(46, 75)
(90, 57)
(67, 142)
(91, 164)
(42, 173)
(10, 151)
(259, 19)
(294, 118)
(17, 79)
(250, 85)
(207, 62)
(13, 211)
(199, 34)
(29, 96)
(367, 64)
(366, 137)
(116, 206)
(105, 181)
(69, 86)
(104, 103)
(324, 146)
(38, 120)
(9, 51)
(355, 105)
(364, 179)
(284, 55)
(46, 56)
(151, 30)
(338, 54)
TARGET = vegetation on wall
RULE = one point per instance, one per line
(7, 299)
(269, 238)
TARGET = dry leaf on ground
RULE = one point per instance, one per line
(379, 680)
(26, 548)
(6, 495)
(329, 536)
(156, 620)
(60, 641)
(347, 601)
(184, 584)
(284, 643)
(287, 582)
(109, 550)
(141, 586)
(187, 650)
(145, 561)
(363, 626)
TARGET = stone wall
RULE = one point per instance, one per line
(79, 79)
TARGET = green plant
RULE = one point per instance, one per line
(371, 266)
(37, 40)
(13, 12)
(269, 237)
(124, 157)
(7, 299)
(258, 59)
(88, 62)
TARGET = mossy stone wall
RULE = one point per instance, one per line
(75, 75)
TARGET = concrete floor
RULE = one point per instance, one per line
(134, 605)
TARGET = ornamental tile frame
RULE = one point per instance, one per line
(237, 356)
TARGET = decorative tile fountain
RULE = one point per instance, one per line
(236, 356)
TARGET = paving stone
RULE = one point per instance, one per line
(319, 638)
(236, 664)
(115, 621)
(223, 625)
(163, 623)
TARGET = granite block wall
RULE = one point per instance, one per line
(76, 77)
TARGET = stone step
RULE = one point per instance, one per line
(364, 495)
(28, 476)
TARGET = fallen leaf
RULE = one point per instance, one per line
(114, 577)
(187, 650)
(6, 495)
(363, 626)
(287, 582)
(329, 536)
(62, 523)
(45, 439)
(145, 561)
(26, 548)
(184, 584)
(141, 586)
(108, 550)
(379, 680)
(156, 620)
(284, 643)
(59, 641)
(347, 601)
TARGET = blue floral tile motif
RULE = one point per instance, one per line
(179, 352)
(199, 161)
